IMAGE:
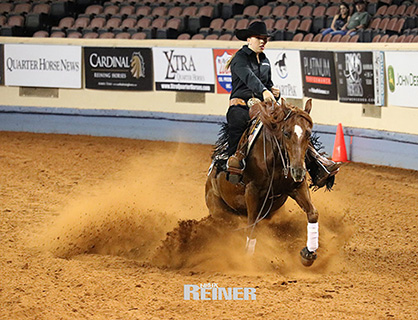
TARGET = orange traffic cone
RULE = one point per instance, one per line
(340, 153)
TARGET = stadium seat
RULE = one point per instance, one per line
(214, 27)
(280, 27)
(94, 9)
(61, 9)
(415, 39)
(201, 20)
(14, 27)
(225, 37)
(159, 12)
(175, 12)
(376, 38)
(111, 10)
(123, 35)
(408, 38)
(74, 34)
(292, 11)
(336, 38)
(279, 11)
(319, 11)
(298, 37)
(384, 38)
(21, 8)
(139, 36)
(305, 26)
(143, 11)
(401, 10)
(171, 30)
(184, 36)
(291, 28)
(381, 11)
(308, 37)
(57, 34)
(126, 11)
(391, 10)
(326, 38)
(265, 12)
(317, 37)
(229, 25)
(393, 38)
(6, 7)
(212, 37)
(306, 11)
(41, 34)
(354, 38)
(198, 36)
(345, 38)
(91, 35)
(107, 35)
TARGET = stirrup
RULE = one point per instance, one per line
(234, 175)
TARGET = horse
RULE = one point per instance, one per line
(275, 170)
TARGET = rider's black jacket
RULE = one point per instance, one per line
(250, 78)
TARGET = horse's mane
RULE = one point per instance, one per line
(273, 114)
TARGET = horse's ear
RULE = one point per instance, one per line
(308, 106)
(283, 102)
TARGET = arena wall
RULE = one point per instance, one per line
(386, 135)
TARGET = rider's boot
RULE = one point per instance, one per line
(327, 169)
(236, 162)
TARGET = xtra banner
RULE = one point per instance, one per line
(355, 77)
(223, 75)
(318, 72)
(286, 73)
(1, 65)
(184, 69)
(118, 68)
(402, 78)
(53, 66)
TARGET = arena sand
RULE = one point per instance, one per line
(104, 228)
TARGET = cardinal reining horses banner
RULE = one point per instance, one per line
(184, 69)
(318, 74)
(402, 78)
(118, 68)
(360, 77)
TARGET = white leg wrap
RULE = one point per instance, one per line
(313, 235)
(250, 247)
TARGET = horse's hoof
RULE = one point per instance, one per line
(307, 257)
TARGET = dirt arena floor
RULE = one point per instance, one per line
(105, 228)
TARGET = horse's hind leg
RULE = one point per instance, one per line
(303, 199)
(218, 209)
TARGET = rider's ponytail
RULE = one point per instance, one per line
(228, 63)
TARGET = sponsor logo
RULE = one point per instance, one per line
(137, 65)
(211, 291)
(42, 64)
(176, 63)
(391, 79)
(352, 72)
(281, 65)
(224, 74)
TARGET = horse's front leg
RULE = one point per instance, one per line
(303, 199)
(252, 194)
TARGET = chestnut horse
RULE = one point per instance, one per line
(275, 170)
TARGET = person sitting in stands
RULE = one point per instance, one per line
(340, 20)
(358, 21)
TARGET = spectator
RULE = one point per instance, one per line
(340, 20)
(358, 21)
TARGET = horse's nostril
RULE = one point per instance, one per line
(297, 174)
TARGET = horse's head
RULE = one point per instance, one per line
(292, 127)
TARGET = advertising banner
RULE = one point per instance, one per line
(355, 77)
(223, 75)
(52, 66)
(285, 72)
(1, 65)
(318, 74)
(118, 68)
(402, 78)
(184, 69)
(379, 78)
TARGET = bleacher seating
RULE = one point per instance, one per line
(186, 19)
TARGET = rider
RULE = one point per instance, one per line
(251, 78)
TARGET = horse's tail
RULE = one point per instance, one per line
(221, 144)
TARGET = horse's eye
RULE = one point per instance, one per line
(287, 134)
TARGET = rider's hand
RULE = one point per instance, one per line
(276, 92)
(268, 96)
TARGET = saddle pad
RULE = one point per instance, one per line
(254, 131)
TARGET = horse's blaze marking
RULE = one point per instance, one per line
(298, 131)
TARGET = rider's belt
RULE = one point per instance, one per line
(237, 101)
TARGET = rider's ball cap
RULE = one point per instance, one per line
(257, 28)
